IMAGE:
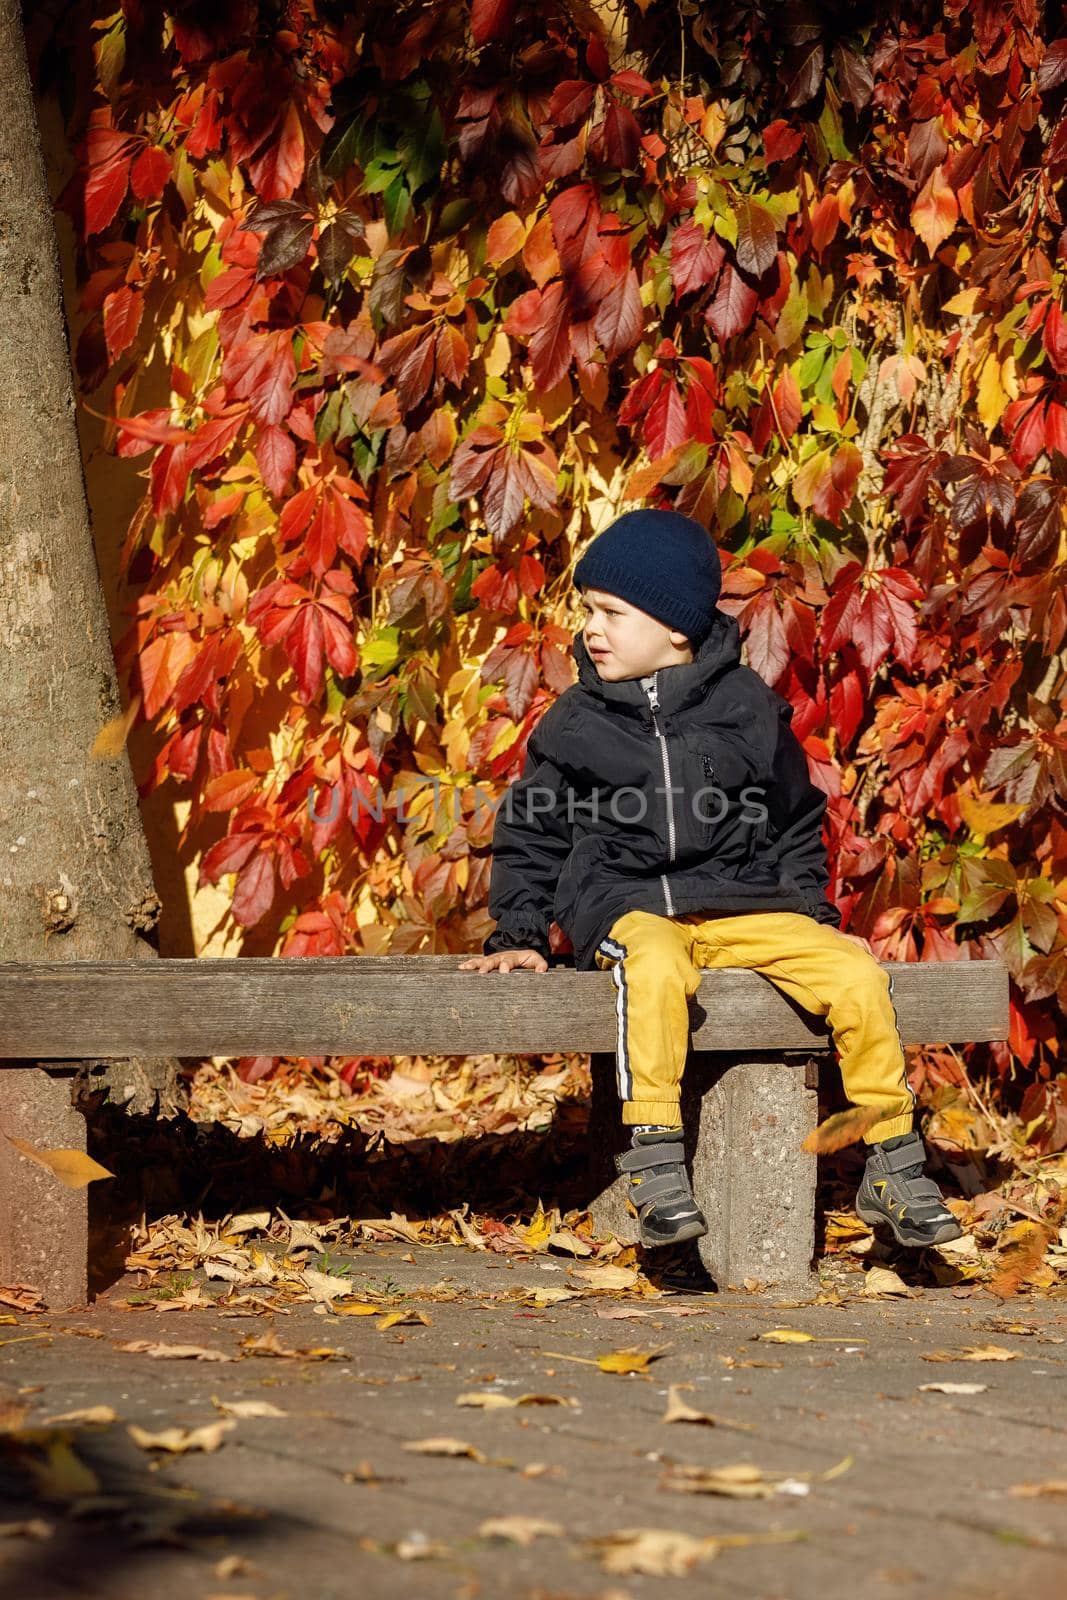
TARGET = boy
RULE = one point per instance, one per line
(666, 821)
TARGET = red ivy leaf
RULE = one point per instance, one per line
(734, 305)
(262, 371)
(696, 258)
(122, 318)
(490, 19)
(150, 173)
(276, 458)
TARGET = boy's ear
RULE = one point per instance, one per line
(680, 641)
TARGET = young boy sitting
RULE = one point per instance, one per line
(666, 821)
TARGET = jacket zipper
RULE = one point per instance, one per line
(653, 698)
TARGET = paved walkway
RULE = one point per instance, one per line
(867, 1488)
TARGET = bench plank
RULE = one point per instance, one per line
(402, 1005)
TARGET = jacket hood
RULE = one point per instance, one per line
(686, 684)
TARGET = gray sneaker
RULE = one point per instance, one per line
(895, 1190)
(659, 1188)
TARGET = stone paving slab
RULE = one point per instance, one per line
(921, 1508)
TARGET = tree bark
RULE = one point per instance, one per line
(75, 873)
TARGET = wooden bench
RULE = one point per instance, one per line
(749, 1093)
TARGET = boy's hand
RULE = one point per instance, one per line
(857, 938)
(504, 960)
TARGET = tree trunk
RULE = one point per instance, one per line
(75, 874)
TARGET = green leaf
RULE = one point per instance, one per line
(397, 205)
(341, 147)
(381, 172)
(381, 652)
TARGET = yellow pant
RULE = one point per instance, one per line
(655, 965)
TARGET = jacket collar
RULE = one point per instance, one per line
(679, 686)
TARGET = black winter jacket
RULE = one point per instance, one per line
(684, 792)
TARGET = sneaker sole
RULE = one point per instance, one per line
(946, 1232)
(689, 1230)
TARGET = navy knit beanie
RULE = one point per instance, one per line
(660, 561)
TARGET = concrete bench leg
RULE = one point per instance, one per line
(44, 1226)
(745, 1119)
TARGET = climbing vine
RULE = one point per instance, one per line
(394, 306)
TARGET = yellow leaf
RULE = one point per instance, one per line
(444, 1447)
(883, 1281)
(247, 1408)
(842, 1128)
(73, 1168)
(986, 816)
(174, 1352)
(623, 1361)
(971, 1352)
(664, 1552)
(519, 1529)
(953, 1388)
(679, 1411)
(786, 1336)
(111, 740)
(606, 1276)
(992, 396)
(179, 1440)
(961, 304)
(538, 1232)
(491, 1401)
(394, 1319)
(100, 1414)
(355, 1308)
(60, 1475)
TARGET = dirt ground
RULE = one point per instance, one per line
(827, 1471)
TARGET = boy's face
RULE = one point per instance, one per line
(625, 642)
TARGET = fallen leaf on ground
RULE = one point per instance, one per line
(972, 1352)
(60, 1474)
(540, 1296)
(606, 1276)
(174, 1352)
(624, 1361)
(252, 1222)
(324, 1286)
(566, 1239)
(234, 1567)
(355, 1308)
(954, 1388)
(679, 1411)
(73, 1168)
(416, 1547)
(1022, 1260)
(666, 1553)
(247, 1408)
(31, 1528)
(22, 1296)
(740, 1482)
(444, 1447)
(634, 1313)
(491, 1401)
(840, 1129)
(365, 1473)
(396, 1319)
(519, 1529)
(1051, 1486)
(785, 1336)
(101, 1414)
(268, 1344)
(883, 1281)
(966, 1245)
(178, 1440)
